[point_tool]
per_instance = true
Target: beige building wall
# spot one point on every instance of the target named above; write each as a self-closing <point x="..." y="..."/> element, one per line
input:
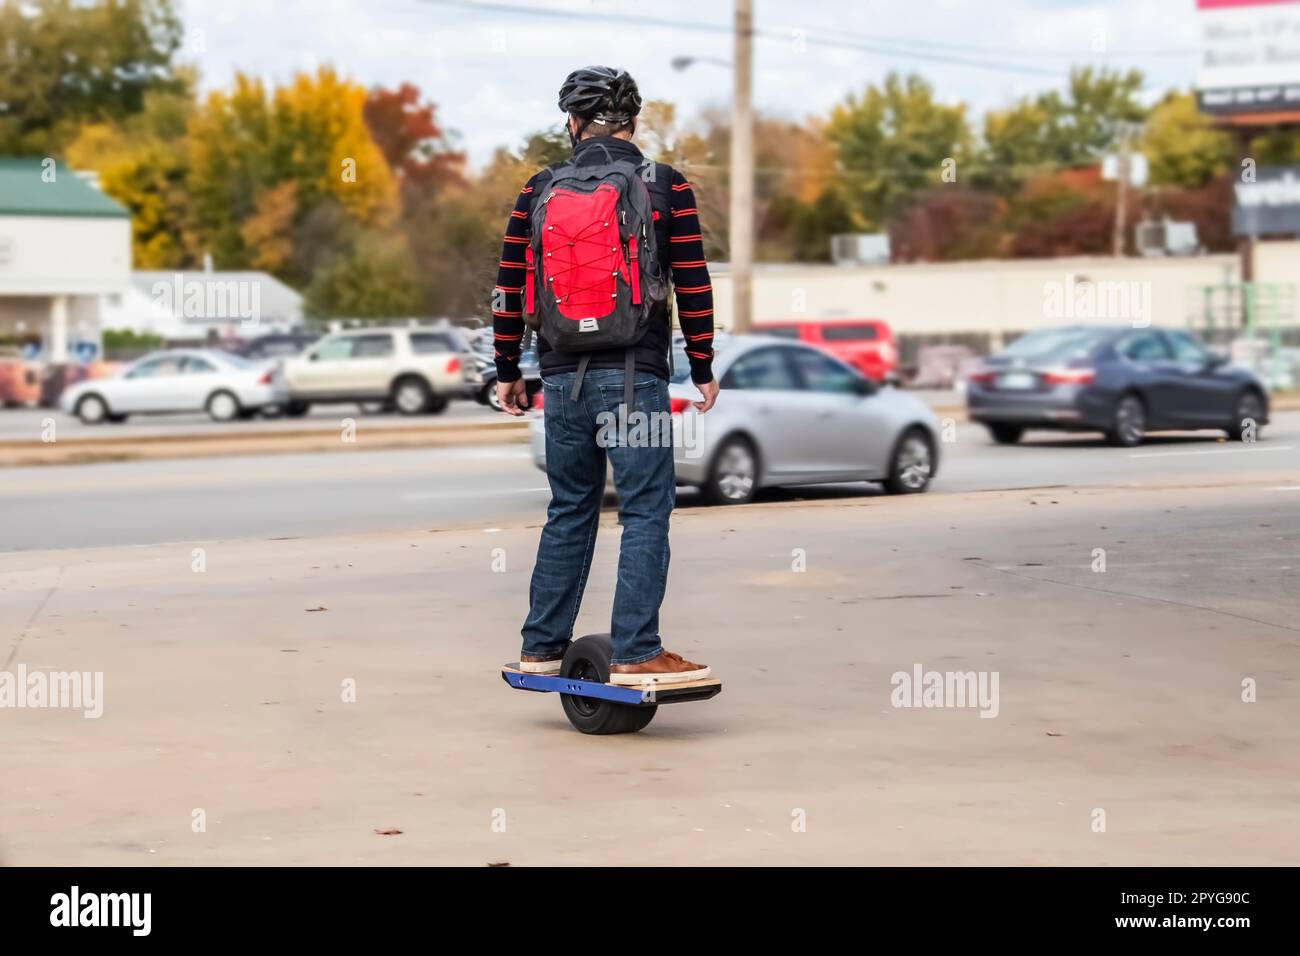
<point x="994" y="296"/>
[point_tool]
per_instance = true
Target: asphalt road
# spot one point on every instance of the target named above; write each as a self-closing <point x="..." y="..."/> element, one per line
<point x="494" y="486"/>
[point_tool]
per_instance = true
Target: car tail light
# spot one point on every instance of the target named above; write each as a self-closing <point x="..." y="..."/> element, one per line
<point x="265" y="379"/>
<point x="982" y="378"/>
<point x="1069" y="376"/>
<point x="453" y="365"/>
<point x="676" y="405"/>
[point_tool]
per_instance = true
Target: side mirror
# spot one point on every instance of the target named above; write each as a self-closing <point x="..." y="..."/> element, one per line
<point x="865" y="386"/>
<point x="312" y="356"/>
<point x="1214" y="360"/>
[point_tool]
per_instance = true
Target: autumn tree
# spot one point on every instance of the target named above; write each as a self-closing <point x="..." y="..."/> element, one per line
<point x="142" y="163"/>
<point x="69" y="63"/>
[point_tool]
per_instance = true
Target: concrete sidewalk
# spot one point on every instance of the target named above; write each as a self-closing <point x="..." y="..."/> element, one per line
<point x="1119" y="692"/>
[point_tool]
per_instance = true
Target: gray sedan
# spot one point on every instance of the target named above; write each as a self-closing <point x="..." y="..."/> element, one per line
<point x="789" y="414"/>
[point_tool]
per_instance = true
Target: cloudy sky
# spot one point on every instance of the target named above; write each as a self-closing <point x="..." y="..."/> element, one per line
<point x="493" y="71"/>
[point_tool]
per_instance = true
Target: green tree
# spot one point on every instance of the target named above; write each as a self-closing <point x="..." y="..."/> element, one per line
<point x="892" y="142"/>
<point x="373" y="278"/>
<point x="66" y="63"/>
<point x="1181" y="145"/>
<point x="1053" y="130"/>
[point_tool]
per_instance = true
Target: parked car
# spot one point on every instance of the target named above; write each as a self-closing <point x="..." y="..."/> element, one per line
<point x="789" y="414"/>
<point x="866" y="344"/>
<point x="1121" y="381"/>
<point x="415" y="369"/>
<point x="20" y="381"/>
<point x="175" y="380"/>
<point x="275" y="345"/>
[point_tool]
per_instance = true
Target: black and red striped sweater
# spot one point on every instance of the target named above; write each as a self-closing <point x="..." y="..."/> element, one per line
<point x="682" y="256"/>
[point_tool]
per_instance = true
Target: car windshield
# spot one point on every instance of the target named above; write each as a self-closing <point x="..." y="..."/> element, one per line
<point x="1054" y="345"/>
<point x="230" y="358"/>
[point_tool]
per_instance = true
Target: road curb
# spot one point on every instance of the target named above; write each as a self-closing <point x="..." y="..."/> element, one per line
<point x="76" y="451"/>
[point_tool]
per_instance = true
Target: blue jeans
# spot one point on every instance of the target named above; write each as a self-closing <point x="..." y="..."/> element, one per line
<point x="579" y="436"/>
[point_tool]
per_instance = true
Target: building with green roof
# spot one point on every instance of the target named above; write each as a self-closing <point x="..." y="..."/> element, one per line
<point x="65" y="254"/>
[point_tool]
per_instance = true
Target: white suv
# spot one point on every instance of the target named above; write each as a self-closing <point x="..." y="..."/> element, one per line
<point x="414" y="369"/>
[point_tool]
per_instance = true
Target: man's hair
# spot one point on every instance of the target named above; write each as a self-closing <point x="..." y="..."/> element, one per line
<point x="595" y="129"/>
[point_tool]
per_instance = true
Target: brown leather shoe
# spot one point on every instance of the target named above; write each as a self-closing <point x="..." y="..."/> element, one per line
<point x="540" y="665"/>
<point x="665" y="668"/>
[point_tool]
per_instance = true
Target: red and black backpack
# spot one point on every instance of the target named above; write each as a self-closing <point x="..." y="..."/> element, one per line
<point x="594" y="279"/>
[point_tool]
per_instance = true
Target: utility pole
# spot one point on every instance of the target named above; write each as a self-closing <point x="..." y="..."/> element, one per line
<point x="1121" y="199"/>
<point x="742" y="171"/>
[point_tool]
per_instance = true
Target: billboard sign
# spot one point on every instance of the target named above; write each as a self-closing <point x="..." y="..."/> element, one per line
<point x="1270" y="205"/>
<point x="1250" y="56"/>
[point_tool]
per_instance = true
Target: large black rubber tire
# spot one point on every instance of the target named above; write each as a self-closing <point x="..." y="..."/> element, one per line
<point x="411" y="395"/>
<point x="588" y="659"/>
<point x="911" y="463"/>
<point x="735" y="462"/>
<point x="223" y="406"/>
<point x="1249" y="404"/>
<point x="1129" y="427"/>
<point x="92" y="409"/>
<point x="1005" y="434"/>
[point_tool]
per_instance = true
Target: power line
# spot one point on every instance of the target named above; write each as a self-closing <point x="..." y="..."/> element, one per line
<point x="822" y="40"/>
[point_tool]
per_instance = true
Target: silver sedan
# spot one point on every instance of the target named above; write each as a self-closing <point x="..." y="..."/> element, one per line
<point x="789" y="414"/>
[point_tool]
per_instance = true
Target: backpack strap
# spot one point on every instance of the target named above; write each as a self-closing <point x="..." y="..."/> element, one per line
<point x="577" y="379"/>
<point x="629" y="373"/>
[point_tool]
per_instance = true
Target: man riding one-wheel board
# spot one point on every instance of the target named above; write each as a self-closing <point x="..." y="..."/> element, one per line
<point x="591" y="250"/>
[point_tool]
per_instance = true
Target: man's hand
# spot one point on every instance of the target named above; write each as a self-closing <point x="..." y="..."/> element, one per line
<point x="513" y="396"/>
<point x="710" y="392"/>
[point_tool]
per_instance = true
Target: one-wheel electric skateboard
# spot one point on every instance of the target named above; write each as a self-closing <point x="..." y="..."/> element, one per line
<point x="595" y="706"/>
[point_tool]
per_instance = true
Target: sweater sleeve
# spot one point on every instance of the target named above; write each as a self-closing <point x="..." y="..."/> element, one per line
<point x="691" y="280"/>
<point x="507" y="296"/>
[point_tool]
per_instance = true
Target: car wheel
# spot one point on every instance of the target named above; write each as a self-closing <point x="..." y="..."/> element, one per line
<point x="733" y="478"/>
<point x="1249" y="407"/>
<point x="1006" y="434"/>
<point x="1130" y="422"/>
<point x="223" y="407"/>
<point x="912" y="465"/>
<point x="493" y="399"/>
<point x="92" y="410"/>
<point x="484" y="395"/>
<point x="411" y="396"/>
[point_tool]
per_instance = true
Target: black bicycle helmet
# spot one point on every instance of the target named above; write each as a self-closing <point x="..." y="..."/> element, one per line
<point x="602" y="94"/>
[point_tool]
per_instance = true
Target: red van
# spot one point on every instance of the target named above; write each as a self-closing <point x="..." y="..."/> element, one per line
<point x="866" y="344"/>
